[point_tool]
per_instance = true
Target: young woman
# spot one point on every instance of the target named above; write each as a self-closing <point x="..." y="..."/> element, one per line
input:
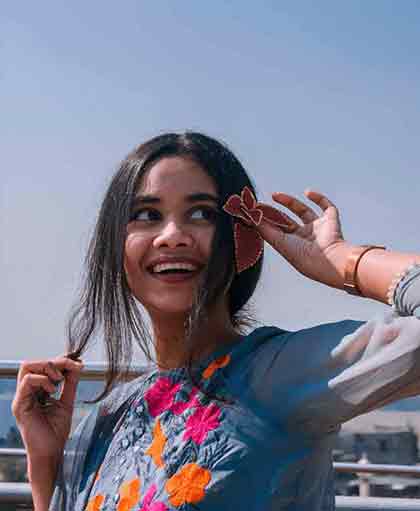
<point x="222" y="419"/>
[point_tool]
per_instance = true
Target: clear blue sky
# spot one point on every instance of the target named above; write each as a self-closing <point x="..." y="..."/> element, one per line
<point x="320" y="94"/>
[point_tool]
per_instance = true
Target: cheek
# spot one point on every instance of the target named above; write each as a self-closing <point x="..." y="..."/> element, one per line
<point x="134" y="250"/>
<point x="204" y="240"/>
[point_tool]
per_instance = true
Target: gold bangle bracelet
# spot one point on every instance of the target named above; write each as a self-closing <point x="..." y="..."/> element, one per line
<point x="350" y="271"/>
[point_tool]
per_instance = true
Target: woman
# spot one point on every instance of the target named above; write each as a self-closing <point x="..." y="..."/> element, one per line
<point x="221" y="419"/>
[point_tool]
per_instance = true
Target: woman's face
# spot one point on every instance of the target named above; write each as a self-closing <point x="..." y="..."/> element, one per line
<point x="170" y="233"/>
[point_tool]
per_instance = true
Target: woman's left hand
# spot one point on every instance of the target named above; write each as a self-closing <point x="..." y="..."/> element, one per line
<point x="309" y="246"/>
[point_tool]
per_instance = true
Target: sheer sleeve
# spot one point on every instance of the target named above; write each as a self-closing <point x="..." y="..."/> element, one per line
<point x="319" y="377"/>
<point x="71" y="468"/>
<point x="407" y="293"/>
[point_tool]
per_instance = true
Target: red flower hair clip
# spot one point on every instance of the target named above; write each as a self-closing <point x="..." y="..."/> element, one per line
<point x="249" y="245"/>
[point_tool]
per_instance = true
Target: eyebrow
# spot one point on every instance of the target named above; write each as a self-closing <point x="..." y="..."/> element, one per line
<point x="194" y="197"/>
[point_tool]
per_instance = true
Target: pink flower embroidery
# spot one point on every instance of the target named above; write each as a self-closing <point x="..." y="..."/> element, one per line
<point x="161" y="396"/>
<point x="180" y="406"/>
<point x="147" y="501"/>
<point x="203" y="420"/>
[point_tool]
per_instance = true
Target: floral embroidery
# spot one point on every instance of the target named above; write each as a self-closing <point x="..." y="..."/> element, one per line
<point x="216" y="364"/>
<point x="95" y="503"/>
<point x="180" y="406"/>
<point x="98" y="474"/>
<point x="129" y="495"/>
<point x="147" y="502"/>
<point x="161" y="396"/>
<point x="187" y="485"/>
<point x="203" y="420"/>
<point x="158" y="444"/>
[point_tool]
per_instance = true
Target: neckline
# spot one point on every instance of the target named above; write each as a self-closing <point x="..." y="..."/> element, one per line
<point x="203" y="363"/>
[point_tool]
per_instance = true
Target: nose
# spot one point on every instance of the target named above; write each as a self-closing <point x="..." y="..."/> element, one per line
<point x="173" y="235"/>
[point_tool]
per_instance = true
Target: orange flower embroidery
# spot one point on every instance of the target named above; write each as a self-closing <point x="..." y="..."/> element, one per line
<point x="98" y="473"/>
<point x="158" y="444"/>
<point x="95" y="503"/>
<point x="129" y="495"/>
<point x="216" y="364"/>
<point x="187" y="485"/>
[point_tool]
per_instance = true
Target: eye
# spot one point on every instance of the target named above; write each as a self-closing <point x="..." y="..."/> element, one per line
<point x="204" y="213"/>
<point x="146" y="215"/>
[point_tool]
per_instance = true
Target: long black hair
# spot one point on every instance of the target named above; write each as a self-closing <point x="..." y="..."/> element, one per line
<point x="107" y="306"/>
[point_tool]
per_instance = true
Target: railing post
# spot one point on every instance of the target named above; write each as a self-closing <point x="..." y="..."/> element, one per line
<point x="364" y="486"/>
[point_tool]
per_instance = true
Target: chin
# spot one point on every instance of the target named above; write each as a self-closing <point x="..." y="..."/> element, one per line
<point x="169" y="307"/>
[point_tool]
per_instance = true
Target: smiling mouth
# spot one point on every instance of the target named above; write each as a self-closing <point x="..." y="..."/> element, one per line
<point x="174" y="271"/>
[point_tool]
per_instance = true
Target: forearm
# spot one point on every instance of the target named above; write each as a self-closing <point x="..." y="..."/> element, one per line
<point x="375" y="271"/>
<point x="42" y="475"/>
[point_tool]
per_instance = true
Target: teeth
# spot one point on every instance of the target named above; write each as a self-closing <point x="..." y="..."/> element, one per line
<point x="173" y="266"/>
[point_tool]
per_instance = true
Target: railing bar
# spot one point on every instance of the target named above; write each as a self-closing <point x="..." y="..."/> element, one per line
<point x="338" y="466"/>
<point x="379" y="503"/>
<point x="413" y="470"/>
<point x="91" y="370"/>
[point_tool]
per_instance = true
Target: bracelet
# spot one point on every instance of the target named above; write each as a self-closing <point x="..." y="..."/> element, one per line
<point x="350" y="270"/>
<point x="395" y="282"/>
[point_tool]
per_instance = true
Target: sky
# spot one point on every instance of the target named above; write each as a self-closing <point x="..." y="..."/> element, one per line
<point x="307" y="94"/>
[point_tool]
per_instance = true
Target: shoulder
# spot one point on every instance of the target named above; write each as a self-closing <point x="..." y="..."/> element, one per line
<point x="272" y="339"/>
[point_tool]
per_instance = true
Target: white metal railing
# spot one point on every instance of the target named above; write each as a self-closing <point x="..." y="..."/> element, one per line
<point x="353" y="468"/>
<point x="91" y="370"/>
<point x="19" y="494"/>
<point x="378" y="503"/>
<point x="374" y="468"/>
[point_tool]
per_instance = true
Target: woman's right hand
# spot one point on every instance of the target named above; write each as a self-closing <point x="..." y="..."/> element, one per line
<point x="45" y="427"/>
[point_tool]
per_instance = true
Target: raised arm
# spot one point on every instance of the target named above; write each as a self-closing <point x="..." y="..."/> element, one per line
<point x="316" y="248"/>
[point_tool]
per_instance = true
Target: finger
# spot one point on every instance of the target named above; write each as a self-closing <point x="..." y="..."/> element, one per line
<point x="304" y="212"/>
<point x="71" y="380"/>
<point x="54" y="368"/>
<point x="34" y="388"/>
<point x="53" y="373"/>
<point x="272" y="234"/>
<point x="31" y="383"/>
<point x="278" y="218"/>
<point x="321" y="200"/>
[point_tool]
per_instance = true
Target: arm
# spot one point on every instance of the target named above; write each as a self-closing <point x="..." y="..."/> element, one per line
<point x="42" y="475"/>
<point x="376" y="269"/>
<point x="316" y="248"/>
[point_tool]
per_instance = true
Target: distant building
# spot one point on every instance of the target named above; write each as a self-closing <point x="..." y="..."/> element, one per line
<point x="382" y="437"/>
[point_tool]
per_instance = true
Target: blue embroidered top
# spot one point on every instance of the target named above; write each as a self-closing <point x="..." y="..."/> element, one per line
<point x="160" y="443"/>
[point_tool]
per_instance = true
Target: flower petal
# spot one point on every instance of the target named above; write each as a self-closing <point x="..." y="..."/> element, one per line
<point x="248" y="198"/>
<point x="157" y="446"/>
<point x="255" y="215"/>
<point x="187" y="485"/>
<point x="248" y="246"/>
<point x="95" y="503"/>
<point x="215" y="365"/>
<point x="129" y="495"/>
<point x="273" y="215"/>
<point x="233" y="205"/>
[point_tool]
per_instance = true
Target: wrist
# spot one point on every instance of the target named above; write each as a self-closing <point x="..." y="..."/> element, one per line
<point x="338" y="256"/>
<point x="42" y="474"/>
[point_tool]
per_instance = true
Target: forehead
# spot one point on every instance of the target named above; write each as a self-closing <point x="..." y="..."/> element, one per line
<point x="176" y="174"/>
